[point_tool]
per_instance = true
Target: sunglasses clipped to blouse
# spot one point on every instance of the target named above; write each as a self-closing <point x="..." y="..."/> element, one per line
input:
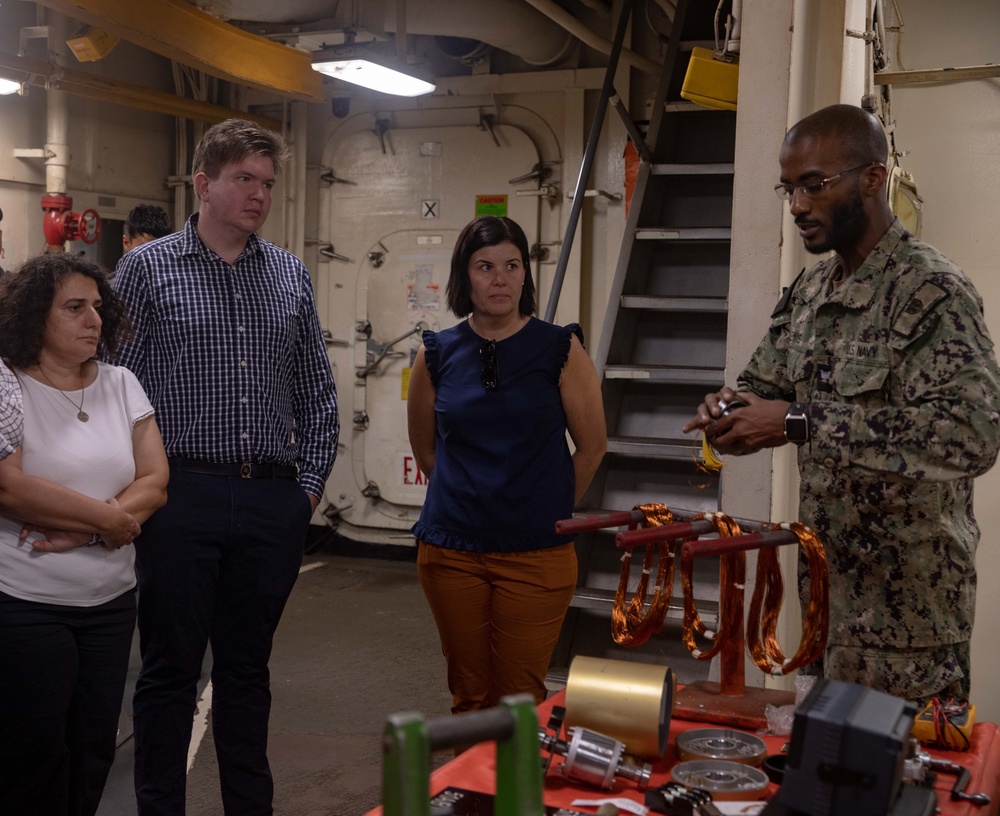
<point x="490" y="377"/>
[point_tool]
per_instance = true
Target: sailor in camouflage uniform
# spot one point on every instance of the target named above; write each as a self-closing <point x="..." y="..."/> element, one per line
<point x="879" y="365"/>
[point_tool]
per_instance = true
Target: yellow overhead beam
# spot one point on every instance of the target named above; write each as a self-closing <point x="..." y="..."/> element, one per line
<point x="185" y="34"/>
<point x="81" y="83"/>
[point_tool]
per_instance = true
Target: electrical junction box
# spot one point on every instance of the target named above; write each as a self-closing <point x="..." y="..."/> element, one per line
<point x="92" y="45"/>
<point x="710" y="81"/>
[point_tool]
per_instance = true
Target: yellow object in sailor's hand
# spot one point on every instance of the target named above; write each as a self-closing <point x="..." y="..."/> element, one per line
<point x="709" y="461"/>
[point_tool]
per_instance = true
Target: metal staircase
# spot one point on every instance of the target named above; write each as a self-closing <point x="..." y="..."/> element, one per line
<point x="662" y="347"/>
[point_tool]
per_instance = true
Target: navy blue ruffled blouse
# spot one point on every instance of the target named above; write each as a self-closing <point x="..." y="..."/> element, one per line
<point x="503" y="474"/>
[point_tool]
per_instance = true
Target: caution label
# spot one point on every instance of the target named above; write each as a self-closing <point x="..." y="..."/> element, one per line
<point x="491" y="205"/>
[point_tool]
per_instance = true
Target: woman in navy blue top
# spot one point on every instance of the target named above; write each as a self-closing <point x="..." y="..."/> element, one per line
<point x="489" y="405"/>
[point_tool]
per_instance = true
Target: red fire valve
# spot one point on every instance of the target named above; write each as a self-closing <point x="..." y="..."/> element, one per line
<point x="62" y="224"/>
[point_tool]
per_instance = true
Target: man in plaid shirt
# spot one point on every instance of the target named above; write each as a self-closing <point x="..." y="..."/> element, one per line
<point x="229" y="348"/>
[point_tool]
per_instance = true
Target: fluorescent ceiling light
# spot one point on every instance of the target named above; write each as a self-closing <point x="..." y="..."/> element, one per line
<point x="8" y="86"/>
<point x="369" y="73"/>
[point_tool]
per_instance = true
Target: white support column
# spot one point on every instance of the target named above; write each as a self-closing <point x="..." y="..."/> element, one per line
<point x="755" y="262"/>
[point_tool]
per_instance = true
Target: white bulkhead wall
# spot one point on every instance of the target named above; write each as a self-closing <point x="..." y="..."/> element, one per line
<point x="951" y="133"/>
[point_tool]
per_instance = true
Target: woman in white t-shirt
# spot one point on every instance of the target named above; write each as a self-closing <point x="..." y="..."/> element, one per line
<point x="89" y="470"/>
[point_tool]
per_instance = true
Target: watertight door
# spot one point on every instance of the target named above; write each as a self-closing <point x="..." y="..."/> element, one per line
<point x="397" y="202"/>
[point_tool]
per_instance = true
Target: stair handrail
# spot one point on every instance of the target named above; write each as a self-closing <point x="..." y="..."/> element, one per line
<point x="607" y="91"/>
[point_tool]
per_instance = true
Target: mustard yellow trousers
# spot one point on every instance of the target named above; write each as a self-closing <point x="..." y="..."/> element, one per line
<point x="498" y="616"/>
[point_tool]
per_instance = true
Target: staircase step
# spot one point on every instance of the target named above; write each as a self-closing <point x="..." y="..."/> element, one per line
<point x="678" y="449"/>
<point x="681" y="375"/>
<point x="656" y="303"/>
<point x="604" y="599"/>
<point x="684" y="234"/>
<point x="693" y="169"/>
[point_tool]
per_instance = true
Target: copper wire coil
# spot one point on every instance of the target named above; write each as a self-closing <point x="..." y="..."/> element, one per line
<point x="765" y="605"/>
<point x="732" y="577"/>
<point x="631" y="623"/>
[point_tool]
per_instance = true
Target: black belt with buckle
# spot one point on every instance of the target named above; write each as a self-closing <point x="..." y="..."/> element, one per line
<point x="243" y="470"/>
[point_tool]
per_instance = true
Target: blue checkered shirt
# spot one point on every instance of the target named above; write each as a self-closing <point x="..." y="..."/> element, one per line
<point x="232" y="357"/>
<point x="11" y="415"/>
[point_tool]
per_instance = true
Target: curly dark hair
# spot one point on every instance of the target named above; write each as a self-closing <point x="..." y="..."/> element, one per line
<point x="26" y="298"/>
<point x="487" y="230"/>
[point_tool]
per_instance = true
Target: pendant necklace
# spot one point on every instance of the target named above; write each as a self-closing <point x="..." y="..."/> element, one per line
<point x="81" y="415"/>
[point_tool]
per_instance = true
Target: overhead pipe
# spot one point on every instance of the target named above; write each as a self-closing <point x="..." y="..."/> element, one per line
<point x="60" y="223"/>
<point x="509" y="25"/>
<point x="296" y="240"/>
<point x="603" y="6"/>
<point x="736" y="17"/>
<point x="401" y="30"/>
<point x="567" y="21"/>
<point x="523" y="32"/>
<point x="669" y="7"/>
<point x="56" y="117"/>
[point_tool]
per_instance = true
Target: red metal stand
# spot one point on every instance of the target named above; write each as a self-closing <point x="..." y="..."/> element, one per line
<point x="728" y="702"/>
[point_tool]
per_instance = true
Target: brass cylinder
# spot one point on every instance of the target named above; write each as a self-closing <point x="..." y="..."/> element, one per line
<point x="631" y="702"/>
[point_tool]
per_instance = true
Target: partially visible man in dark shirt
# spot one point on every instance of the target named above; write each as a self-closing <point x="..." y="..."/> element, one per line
<point x="144" y="223"/>
<point x="229" y="348"/>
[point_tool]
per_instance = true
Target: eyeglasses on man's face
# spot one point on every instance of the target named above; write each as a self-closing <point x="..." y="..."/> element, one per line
<point x="816" y="188"/>
<point x="490" y="377"/>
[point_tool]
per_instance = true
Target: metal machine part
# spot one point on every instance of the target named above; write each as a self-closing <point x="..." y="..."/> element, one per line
<point x="721" y="743"/>
<point x="919" y="767"/>
<point x="725" y="780"/>
<point x="727" y="407"/>
<point x="958" y="793"/>
<point x="628" y="701"/>
<point x="589" y="757"/>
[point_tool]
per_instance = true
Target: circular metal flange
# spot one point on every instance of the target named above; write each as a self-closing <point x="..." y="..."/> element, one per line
<point x="721" y="743"/>
<point x="724" y="779"/>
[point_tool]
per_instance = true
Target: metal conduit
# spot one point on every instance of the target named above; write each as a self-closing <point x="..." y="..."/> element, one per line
<point x="563" y="18"/>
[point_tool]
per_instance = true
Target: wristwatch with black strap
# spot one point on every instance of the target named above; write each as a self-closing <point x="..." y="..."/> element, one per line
<point x="797" y="423"/>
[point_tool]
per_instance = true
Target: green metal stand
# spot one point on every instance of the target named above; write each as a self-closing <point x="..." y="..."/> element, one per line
<point x="409" y="741"/>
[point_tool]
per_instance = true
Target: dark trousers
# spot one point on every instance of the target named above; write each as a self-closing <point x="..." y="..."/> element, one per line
<point x="62" y="677"/>
<point x="216" y="564"/>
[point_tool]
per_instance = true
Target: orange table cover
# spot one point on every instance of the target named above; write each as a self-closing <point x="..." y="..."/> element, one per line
<point x="475" y="770"/>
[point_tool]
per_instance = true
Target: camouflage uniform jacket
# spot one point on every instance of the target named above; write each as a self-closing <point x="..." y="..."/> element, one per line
<point x="904" y="389"/>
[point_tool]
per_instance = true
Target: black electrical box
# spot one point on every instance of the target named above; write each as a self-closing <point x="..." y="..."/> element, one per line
<point x="847" y="751"/>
